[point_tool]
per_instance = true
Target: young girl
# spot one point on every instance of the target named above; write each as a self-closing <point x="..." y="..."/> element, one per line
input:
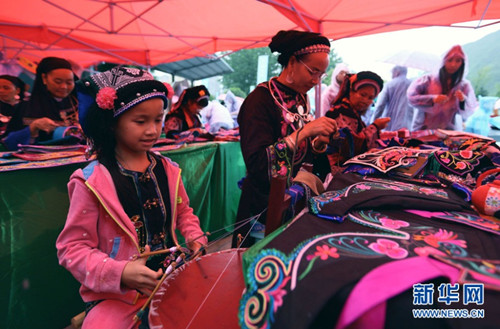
<point x="127" y="202"/>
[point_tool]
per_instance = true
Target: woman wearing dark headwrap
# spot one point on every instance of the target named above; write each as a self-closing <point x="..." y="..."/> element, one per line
<point x="52" y="103"/>
<point x="277" y="130"/>
<point x="11" y="94"/>
<point x="355" y="97"/>
<point x="185" y="113"/>
<point x="446" y="99"/>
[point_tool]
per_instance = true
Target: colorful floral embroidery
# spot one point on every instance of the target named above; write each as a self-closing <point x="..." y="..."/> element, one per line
<point x="461" y="162"/>
<point x="492" y="202"/>
<point x="324" y="252"/>
<point x="441" y="237"/>
<point x="427" y="251"/>
<point x="318" y="203"/>
<point x="387" y="159"/>
<point x="273" y="274"/>
<point x="395" y="224"/>
<point x="467" y="219"/>
<point x="279" y="158"/>
<point x="389" y="248"/>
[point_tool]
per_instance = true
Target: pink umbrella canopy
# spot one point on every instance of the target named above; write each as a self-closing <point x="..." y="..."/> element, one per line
<point x="150" y="32"/>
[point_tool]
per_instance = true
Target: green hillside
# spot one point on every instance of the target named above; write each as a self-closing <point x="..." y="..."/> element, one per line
<point x="484" y="64"/>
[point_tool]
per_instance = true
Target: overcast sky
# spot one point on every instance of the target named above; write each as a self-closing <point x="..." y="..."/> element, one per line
<point x="367" y="53"/>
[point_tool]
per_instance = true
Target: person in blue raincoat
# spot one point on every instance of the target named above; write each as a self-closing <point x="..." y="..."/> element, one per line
<point x="392" y="101"/>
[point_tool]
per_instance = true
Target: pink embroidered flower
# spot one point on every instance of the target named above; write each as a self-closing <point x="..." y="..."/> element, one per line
<point x="466" y="154"/>
<point x="389" y="248"/>
<point x="444" y="236"/>
<point x="283" y="171"/>
<point x="105" y="98"/>
<point x="387" y="222"/>
<point x="324" y="252"/>
<point x="363" y="186"/>
<point x="426" y="251"/>
<point x="170" y="90"/>
<point x="461" y="165"/>
<point x="445" y="160"/>
<point x="278" y="294"/>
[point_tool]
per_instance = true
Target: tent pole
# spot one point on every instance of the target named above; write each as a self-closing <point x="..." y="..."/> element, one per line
<point x="317" y="100"/>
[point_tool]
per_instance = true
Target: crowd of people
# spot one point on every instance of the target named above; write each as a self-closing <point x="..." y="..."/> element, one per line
<point x="51" y="111"/>
<point x="444" y="99"/>
<point x="129" y="201"/>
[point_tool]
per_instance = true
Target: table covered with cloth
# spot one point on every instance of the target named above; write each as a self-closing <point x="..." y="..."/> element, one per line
<point x="393" y="236"/>
<point x="38" y="293"/>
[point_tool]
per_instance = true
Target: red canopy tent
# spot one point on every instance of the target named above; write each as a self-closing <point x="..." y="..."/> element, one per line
<point x="150" y="32"/>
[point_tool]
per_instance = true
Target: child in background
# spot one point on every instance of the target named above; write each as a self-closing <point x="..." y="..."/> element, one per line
<point x="185" y="114"/>
<point x="127" y="202"/>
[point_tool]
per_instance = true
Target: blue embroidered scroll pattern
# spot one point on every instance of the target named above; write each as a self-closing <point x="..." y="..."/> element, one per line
<point x="267" y="276"/>
<point x="470" y="219"/>
<point x="317" y="203"/>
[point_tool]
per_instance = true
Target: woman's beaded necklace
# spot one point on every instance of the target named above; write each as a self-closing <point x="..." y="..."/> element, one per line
<point x="301" y="117"/>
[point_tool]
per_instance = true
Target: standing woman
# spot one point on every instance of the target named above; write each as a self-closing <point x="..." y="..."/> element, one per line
<point x="277" y="131"/>
<point x="52" y="103"/>
<point x="438" y="98"/>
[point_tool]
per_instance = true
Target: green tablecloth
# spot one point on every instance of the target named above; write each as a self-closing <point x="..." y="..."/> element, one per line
<point x="38" y="293"/>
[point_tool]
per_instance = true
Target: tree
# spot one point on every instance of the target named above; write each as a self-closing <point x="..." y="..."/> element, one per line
<point x="497" y="90"/>
<point x="244" y="64"/>
<point x="479" y="80"/>
<point x="334" y="60"/>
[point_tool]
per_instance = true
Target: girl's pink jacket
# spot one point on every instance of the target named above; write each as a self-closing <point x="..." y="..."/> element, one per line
<point x="98" y="238"/>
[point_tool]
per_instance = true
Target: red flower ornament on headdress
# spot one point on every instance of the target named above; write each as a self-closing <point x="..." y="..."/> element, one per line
<point x="170" y="90"/>
<point x="105" y="98"/>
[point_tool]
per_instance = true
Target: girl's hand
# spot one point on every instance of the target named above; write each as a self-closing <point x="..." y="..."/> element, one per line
<point x="440" y="99"/>
<point x="136" y="275"/>
<point x="194" y="246"/>
<point x="44" y="124"/>
<point x="381" y="123"/>
<point x="460" y="95"/>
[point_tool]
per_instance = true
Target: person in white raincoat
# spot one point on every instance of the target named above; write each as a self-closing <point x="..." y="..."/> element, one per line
<point x="330" y="93"/>
<point x="446" y="99"/>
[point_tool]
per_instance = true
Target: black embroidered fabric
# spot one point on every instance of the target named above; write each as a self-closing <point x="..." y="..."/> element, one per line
<point x="350" y="191"/>
<point x="146" y="200"/>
